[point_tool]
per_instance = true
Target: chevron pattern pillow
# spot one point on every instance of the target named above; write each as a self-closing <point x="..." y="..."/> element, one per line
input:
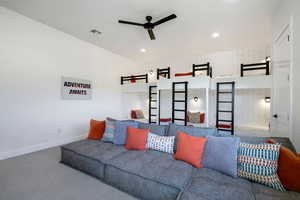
<point x="259" y="163"/>
<point x="161" y="143"/>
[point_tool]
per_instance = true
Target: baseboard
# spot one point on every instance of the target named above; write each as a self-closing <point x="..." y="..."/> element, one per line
<point x="38" y="147"/>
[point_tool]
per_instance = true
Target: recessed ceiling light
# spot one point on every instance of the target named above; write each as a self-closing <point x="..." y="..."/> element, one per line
<point x="143" y="50"/>
<point x="215" y="35"/>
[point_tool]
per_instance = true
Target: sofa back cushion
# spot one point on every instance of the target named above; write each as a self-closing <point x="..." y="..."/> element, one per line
<point x="190" y="149"/>
<point x="161" y="143"/>
<point x="137" y="138"/>
<point x="221" y="154"/>
<point x="120" y="136"/>
<point x="193" y="131"/>
<point x="154" y="128"/>
<point x="97" y="129"/>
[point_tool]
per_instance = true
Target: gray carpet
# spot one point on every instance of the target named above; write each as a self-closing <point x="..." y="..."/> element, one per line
<point x="40" y="176"/>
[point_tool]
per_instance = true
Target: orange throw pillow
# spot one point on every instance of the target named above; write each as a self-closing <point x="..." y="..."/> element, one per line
<point x="137" y="138"/>
<point x="288" y="168"/>
<point x="97" y="129"/>
<point x="190" y="149"/>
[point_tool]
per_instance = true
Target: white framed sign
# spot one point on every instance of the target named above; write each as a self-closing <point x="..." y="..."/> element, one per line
<point x="76" y="89"/>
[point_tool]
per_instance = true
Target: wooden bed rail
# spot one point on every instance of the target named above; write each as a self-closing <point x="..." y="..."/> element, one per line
<point x="255" y="66"/>
<point x="202" y="67"/>
<point x="165" y="72"/>
<point x="134" y="78"/>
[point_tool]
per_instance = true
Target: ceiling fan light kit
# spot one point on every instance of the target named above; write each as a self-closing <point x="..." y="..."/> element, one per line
<point x="149" y="26"/>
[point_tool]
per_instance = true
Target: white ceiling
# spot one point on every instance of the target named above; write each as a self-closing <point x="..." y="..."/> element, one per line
<point x="241" y="24"/>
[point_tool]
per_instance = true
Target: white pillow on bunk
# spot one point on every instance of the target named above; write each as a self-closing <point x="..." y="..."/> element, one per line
<point x="161" y="143"/>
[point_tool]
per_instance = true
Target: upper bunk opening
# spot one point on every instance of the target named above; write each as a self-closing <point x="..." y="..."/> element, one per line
<point x="198" y="70"/>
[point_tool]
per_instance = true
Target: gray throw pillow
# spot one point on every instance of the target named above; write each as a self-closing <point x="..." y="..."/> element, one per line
<point x="120" y="136"/>
<point x="221" y="154"/>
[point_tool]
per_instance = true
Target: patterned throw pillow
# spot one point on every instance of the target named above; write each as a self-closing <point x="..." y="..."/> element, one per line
<point x="259" y="163"/>
<point x="161" y="143"/>
<point x="194" y="117"/>
<point x="109" y="132"/>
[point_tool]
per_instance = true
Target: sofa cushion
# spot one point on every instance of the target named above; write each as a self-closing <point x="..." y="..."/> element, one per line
<point x="208" y="184"/>
<point x="262" y="192"/>
<point x="90" y="156"/>
<point x="156" y="171"/>
<point x="194" y="131"/>
<point x="120" y="136"/>
<point x="221" y="154"/>
<point x="154" y="128"/>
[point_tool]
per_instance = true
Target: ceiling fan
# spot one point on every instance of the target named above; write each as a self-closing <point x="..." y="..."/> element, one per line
<point x="150" y="26"/>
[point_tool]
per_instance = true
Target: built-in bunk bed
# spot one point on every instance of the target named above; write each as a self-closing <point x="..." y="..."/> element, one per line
<point x="242" y="103"/>
<point x="184" y="99"/>
<point x="141" y="97"/>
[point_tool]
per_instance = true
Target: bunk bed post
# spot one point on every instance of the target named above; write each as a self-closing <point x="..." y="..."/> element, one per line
<point x="232" y="105"/>
<point x="268" y="68"/>
<point x="173" y="102"/>
<point x="210" y="72"/>
<point x="207" y="108"/>
<point x="122" y="80"/>
<point x="158" y="93"/>
<point x="146" y="78"/>
<point x="242" y="70"/>
<point x="157" y="73"/>
<point x="169" y="71"/>
<point x="194" y="66"/>
<point x="207" y="69"/>
<point x="150" y="103"/>
<point x="186" y="100"/>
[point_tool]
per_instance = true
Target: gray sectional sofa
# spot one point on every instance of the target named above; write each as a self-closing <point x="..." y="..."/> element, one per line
<point x="153" y="175"/>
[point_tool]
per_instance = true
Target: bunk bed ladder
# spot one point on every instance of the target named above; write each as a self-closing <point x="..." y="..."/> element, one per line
<point x="230" y="90"/>
<point x="184" y="101"/>
<point x="152" y="92"/>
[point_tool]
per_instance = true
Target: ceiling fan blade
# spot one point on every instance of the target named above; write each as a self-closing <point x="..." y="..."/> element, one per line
<point x="131" y="23"/>
<point x="173" y="16"/>
<point x="151" y="34"/>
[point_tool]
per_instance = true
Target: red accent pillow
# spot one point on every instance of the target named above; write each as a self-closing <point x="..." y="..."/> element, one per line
<point x="97" y="129"/>
<point x="202" y="118"/>
<point x="190" y="149"/>
<point x="288" y="168"/>
<point x="137" y="138"/>
<point x="184" y="74"/>
<point x="133" y="114"/>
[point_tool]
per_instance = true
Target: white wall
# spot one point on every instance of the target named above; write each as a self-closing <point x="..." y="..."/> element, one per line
<point x="288" y="9"/>
<point x="33" y="57"/>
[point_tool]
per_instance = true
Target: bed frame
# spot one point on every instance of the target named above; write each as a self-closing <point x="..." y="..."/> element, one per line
<point x="255" y="66"/>
<point x="165" y="72"/>
<point x="136" y="77"/>
<point x="202" y="67"/>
